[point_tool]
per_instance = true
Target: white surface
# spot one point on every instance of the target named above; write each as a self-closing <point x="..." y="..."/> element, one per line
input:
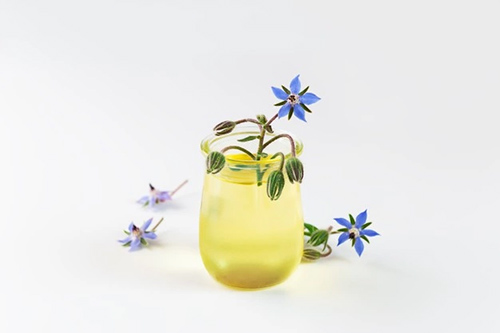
<point x="99" y="98"/>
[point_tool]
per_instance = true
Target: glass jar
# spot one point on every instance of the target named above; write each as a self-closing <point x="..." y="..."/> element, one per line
<point x="246" y="240"/>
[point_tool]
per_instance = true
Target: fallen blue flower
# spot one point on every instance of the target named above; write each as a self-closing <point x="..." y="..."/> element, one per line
<point x="137" y="236"/>
<point x="356" y="231"/>
<point x="156" y="196"/>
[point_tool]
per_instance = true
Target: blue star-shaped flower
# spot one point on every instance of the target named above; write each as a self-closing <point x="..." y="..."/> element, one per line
<point x="155" y="197"/>
<point x="136" y="236"/>
<point x="355" y="230"/>
<point x="294" y="100"/>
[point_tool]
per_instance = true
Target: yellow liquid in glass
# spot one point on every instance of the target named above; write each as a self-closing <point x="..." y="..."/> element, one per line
<point x="247" y="240"/>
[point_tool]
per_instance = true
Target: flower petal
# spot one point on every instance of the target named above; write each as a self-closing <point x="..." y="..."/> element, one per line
<point x="163" y="196"/>
<point x="295" y="85"/>
<point x="369" y="233"/>
<point x="299" y="112"/>
<point x="343" y="237"/>
<point x="146" y="224"/>
<point x="343" y="222"/>
<point x="361" y="219"/>
<point x="152" y="200"/>
<point x="150" y="235"/>
<point x="284" y="110"/>
<point x="279" y="93"/>
<point x="130" y="226"/>
<point x="136" y="244"/>
<point x="125" y="240"/>
<point x="359" y="246"/>
<point x="309" y="98"/>
<point x="143" y="200"/>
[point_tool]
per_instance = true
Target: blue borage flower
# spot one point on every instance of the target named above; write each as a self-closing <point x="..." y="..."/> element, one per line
<point x="137" y="236"/>
<point x="356" y="231"/>
<point x="294" y="100"/>
<point x="155" y="197"/>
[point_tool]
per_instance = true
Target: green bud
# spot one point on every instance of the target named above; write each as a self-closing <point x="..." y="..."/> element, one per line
<point x="275" y="184"/>
<point x="215" y="162"/>
<point x="311" y="254"/>
<point x="319" y="237"/>
<point x="262" y="119"/>
<point x="224" y="128"/>
<point x="294" y="170"/>
<point x="269" y="129"/>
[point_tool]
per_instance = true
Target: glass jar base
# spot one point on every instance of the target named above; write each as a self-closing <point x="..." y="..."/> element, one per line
<point x="249" y="277"/>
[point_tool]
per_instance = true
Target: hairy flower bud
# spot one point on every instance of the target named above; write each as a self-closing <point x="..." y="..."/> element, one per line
<point x="294" y="170"/>
<point x="311" y="254"/>
<point x="275" y="184"/>
<point x="319" y="237"/>
<point x="215" y="162"/>
<point x="262" y="119"/>
<point x="224" y="128"/>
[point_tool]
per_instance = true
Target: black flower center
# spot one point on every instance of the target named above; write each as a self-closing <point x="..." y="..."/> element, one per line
<point x="136" y="231"/>
<point x="293" y="99"/>
<point x="353" y="233"/>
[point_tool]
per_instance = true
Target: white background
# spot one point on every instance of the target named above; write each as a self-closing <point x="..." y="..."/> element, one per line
<point x="99" y="98"/>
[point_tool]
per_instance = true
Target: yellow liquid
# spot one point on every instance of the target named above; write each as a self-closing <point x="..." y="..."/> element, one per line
<point x="247" y="240"/>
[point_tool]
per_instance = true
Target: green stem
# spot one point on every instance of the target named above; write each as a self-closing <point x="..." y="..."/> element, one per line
<point x="292" y="142"/>
<point x="240" y="149"/>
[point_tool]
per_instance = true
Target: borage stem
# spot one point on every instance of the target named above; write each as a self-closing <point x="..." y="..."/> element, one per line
<point x="157" y="224"/>
<point x="327" y="253"/>
<point x="248" y="120"/>
<point x="240" y="149"/>
<point x="178" y="187"/>
<point x="282" y="162"/>
<point x="292" y="142"/>
<point x="272" y="119"/>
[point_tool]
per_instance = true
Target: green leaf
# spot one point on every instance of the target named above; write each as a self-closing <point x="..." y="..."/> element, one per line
<point x="305" y="108"/>
<point x="343" y="229"/>
<point x="310" y="229"/>
<point x="280" y="103"/>
<point x="127" y="243"/>
<point x="143" y="241"/>
<point x="365" y="238"/>
<point x="286" y="90"/>
<point x="262" y="155"/>
<point x="304" y="91"/>
<point x="249" y="138"/>
<point x="290" y="113"/>
<point x="353" y="241"/>
<point x="353" y="221"/>
<point x="366" y="225"/>
<point x="127" y="232"/>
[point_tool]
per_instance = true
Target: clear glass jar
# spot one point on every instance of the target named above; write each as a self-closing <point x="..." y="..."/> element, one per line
<point x="246" y="240"/>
